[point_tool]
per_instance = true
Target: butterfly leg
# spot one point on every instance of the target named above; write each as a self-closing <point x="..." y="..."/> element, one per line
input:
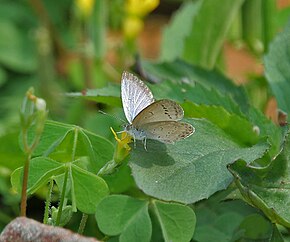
<point x="134" y="141"/>
<point x="145" y="143"/>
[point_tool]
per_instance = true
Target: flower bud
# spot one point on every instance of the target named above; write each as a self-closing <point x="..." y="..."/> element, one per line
<point x="40" y="104"/>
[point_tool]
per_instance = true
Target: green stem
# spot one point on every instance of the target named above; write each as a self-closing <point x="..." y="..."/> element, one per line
<point x="108" y="168"/>
<point x="60" y="207"/>
<point x="83" y="223"/>
<point x="47" y="202"/>
<point x="75" y="144"/>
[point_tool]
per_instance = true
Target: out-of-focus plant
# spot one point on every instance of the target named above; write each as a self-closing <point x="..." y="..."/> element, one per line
<point x="85" y="7"/>
<point x="135" y="11"/>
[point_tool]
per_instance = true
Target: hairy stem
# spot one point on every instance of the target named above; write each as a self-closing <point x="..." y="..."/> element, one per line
<point x="47" y="203"/>
<point x="83" y="223"/>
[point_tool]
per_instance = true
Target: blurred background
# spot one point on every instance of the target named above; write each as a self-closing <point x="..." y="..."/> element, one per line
<point x="68" y="46"/>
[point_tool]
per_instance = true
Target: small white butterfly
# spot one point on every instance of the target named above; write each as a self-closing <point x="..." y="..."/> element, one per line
<point x="149" y="119"/>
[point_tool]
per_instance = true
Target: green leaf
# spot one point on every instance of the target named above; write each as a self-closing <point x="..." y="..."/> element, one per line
<point x="255" y="226"/>
<point x="175" y="33"/>
<point x="3" y="76"/>
<point x="103" y="150"/>
<point x="41" y="170"/>
<point x="224" y="220"/>
<point x="191" y="169"/>
<point x="197" y="93"/>
<point x="177" y="221"/>
<point x="11" y="156"/>
<point x="277" y="68"/>
<point x="66" y="215"/>
<point x="52" y="135"/>
<point x="107" y="95"/>
<point x="276" y="235"/>
<point x="267" y="188"/>
<point x="209" y="31"/>
<point x="124" y="216"/>
<point x="228" y="122"/>
<point x="266" y="129"/>
<point x="120" y="181"/>
<point x="182" y="73"/>
<point x="87" y="189"/>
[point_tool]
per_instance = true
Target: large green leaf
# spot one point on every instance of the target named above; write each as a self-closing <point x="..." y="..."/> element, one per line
<point x="209" y="31"/>
<point x="175" y="33"/>
<point x="191" y="169"/>
<point x="177" y="221"/>
<point x="267" y="188"/>
<point x="243" y="135"/>
<point x="185" y="76"/>
<point x="277" y="68"/>
<point x="124" y="216"/>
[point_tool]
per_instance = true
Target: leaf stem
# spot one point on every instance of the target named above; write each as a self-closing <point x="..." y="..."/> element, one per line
<point x="60" y="207"/>
<point x="75" y="144"/>
<point x="47" y="202"/>
<point x="83" y="223"/>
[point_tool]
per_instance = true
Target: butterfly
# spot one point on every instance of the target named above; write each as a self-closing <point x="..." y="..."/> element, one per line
<point x="150" y="119"/>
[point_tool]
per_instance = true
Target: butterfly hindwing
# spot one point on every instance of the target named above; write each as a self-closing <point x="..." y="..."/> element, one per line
<point x="135" y="95"/>
<point x="168" y="131"/>
<point x="162" y="110"/>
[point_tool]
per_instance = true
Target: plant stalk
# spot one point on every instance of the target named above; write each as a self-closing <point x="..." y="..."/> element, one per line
<point x="24" y="186"/>
<point x="83" y="223"/>
<point x="47" y="203"/>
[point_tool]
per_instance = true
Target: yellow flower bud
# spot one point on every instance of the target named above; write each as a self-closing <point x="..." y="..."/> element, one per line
<point x="141" y="7"/>
<point x="85" y="6"/>
<point x="132" y="26"/>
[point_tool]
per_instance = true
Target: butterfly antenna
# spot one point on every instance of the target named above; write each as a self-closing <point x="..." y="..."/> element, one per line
<point x="112" y="116"/>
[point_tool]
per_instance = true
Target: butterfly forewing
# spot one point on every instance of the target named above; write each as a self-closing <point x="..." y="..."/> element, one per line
<point x="168" y="131"/>
<point x="163" y="110"/>
<point x="135" y="95"/>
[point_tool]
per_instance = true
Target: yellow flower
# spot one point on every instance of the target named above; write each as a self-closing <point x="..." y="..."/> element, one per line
<point x="85" y="6"/>
<point x="123" y="147"/>
<point x="140" y="7"/>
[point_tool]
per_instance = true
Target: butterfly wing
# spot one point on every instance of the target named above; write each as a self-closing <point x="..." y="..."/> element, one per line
<point x="135" y="95"/>
<point x="168" y="131"/>
<point x="162" y="110"/>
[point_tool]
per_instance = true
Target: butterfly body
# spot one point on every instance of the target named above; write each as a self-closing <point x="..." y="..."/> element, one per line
<point x="149" y="119"/>
<point x="138" y="134"/>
